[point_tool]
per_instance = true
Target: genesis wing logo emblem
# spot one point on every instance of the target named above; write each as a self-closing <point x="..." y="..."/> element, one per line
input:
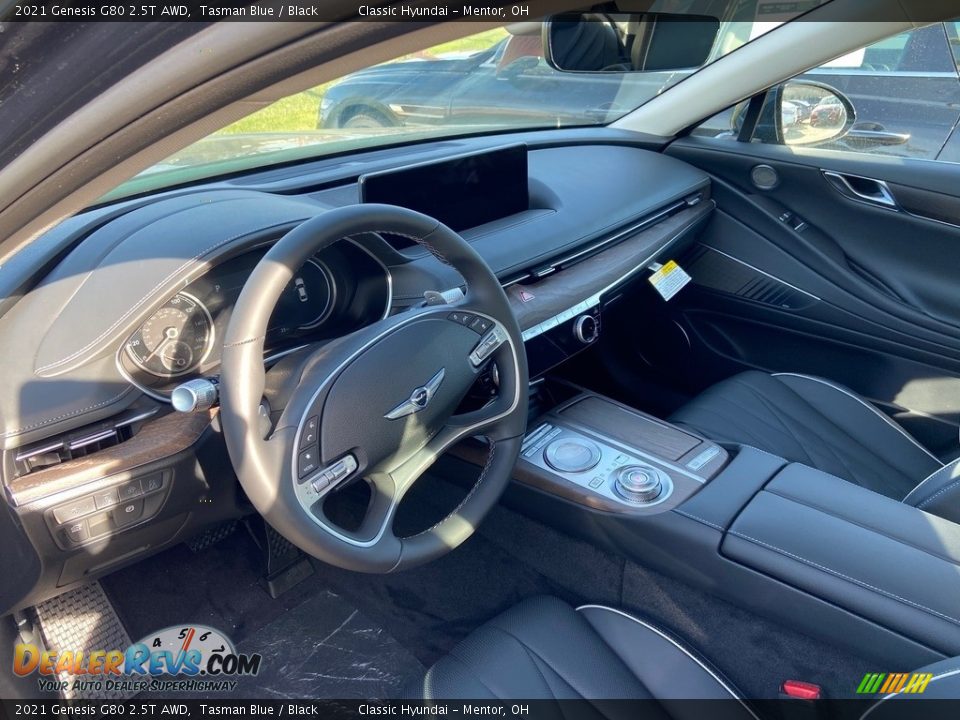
<point x="418" y="399"/>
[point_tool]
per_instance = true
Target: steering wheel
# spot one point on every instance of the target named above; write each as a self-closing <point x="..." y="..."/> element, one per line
<point x="379" y="404"/>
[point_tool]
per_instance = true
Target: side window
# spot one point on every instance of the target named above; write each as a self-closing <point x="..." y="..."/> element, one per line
<point x="953" y="37"/>
<point x="905" y="92"/>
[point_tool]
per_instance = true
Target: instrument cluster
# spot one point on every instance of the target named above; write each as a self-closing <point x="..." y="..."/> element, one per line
<point x="337" y="291"/>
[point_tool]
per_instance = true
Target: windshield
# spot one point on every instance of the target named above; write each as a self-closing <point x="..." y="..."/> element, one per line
<point x="492" y="81"/>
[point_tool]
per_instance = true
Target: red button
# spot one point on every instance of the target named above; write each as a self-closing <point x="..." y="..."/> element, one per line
<point x="800" y="690"/>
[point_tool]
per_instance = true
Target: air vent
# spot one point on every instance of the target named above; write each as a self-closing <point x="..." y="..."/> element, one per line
<point x="79" y="443"/>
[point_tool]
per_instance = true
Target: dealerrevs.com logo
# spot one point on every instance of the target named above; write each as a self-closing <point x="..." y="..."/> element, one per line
<point x="180" y="658"/>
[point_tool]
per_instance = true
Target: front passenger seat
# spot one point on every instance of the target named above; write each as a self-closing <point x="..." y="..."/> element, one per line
<point x="544" y="649"/>
<point x="813" y="421"/>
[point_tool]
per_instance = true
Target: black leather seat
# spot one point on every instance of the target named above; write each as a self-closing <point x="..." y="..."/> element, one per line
<point x="544" y="649"/>
<point x="813" y="421"/>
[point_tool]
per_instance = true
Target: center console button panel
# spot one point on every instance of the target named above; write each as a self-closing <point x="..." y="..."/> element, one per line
<point x="596" y="452"/>
<point x="596" y="467"/>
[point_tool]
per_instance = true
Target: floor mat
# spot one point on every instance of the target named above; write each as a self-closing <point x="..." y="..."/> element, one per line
<point x="344" y="655"/>
<point x="81" y="618"/>
<point x="427" y="610"/>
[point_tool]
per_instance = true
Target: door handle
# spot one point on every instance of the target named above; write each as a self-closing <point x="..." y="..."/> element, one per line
<point x="862" y="138"/>
<point x="864" y="189"/>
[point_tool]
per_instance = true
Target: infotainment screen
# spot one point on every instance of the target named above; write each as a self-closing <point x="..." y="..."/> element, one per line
<point x="461" y="192"/>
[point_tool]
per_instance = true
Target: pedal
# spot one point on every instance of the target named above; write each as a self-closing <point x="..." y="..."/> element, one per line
<point x="285" y="564"/>
<point x="82" y="620"/>
<point x="211" y="536"/>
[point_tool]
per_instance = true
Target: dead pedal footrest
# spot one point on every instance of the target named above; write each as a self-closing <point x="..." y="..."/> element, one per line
<point x="211" y="536"/>
<point x="82" y="619"/>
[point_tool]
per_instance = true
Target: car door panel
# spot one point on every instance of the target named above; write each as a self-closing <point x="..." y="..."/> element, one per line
<point x="817" y="280"/>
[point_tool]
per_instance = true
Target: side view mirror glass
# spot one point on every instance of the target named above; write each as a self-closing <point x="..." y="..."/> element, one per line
<point x="810" y="113"/>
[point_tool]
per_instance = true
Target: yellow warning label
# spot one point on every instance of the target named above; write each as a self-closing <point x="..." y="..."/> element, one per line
<point x="669" y="280"/>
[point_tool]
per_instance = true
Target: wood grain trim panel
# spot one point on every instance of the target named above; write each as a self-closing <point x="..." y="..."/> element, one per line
<point x="157" y="439"/>
<point x="631" y="428"/>
<point x="567" y="287"/>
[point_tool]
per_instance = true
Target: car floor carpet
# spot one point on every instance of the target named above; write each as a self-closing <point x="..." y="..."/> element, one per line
<point x="428" y="609"/>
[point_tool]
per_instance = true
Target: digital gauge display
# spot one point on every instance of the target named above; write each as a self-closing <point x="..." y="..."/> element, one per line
<point x="175" y="339"/>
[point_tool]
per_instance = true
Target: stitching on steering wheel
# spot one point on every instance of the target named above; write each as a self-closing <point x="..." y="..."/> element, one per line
<point x="483" y="474"/>
<point x="245" y="342"/>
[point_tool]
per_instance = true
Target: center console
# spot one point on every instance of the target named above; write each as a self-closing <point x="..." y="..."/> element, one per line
<point x="793" y="544"/>
<point x="604" y="455"/>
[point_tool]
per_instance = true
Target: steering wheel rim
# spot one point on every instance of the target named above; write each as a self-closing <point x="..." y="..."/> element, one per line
<point x="343" y="387"/>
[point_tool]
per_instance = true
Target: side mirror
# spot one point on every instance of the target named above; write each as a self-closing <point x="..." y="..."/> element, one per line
<point x="810" y="113"/>
<point x="628" y="42"/>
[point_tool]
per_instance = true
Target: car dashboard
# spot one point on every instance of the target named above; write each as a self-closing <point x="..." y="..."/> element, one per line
<point x="140" y="293"/>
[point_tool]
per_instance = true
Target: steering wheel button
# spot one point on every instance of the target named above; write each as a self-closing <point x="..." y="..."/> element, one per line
<point x="321" y="482"/>
<point x="307" y="462"/>
<point x="309" y="436"/>
<point x="480" y="325"/>
<point x="343" y="468"/>
<point x="490" y="342"/>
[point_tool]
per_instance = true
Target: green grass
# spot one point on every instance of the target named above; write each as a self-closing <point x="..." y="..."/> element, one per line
<point x="298" y="112"/>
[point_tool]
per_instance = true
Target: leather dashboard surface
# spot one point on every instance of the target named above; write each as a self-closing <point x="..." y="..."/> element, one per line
<point x="67" y="329"/>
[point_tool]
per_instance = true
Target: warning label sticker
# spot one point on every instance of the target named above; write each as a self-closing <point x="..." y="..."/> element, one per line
<point x="669" y="280"/>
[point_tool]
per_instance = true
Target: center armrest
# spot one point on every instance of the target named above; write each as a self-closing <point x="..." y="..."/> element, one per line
<point x="885" y="561"/>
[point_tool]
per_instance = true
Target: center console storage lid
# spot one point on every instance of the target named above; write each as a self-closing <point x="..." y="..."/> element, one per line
<point x="887" y="562"/>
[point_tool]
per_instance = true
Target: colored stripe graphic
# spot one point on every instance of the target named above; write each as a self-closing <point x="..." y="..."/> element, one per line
<point x="894" y="683"/>
<point x="918" y="683"/>
<point x="888" y="683"/>
<point x="870" y="683"/>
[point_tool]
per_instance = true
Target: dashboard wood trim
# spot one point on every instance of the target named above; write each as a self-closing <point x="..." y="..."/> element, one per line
<point x="535" y="302"/>
<point x="158" y="439"/>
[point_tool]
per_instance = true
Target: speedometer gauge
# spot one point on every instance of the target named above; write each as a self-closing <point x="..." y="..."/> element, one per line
<point x="175" y="339"/>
